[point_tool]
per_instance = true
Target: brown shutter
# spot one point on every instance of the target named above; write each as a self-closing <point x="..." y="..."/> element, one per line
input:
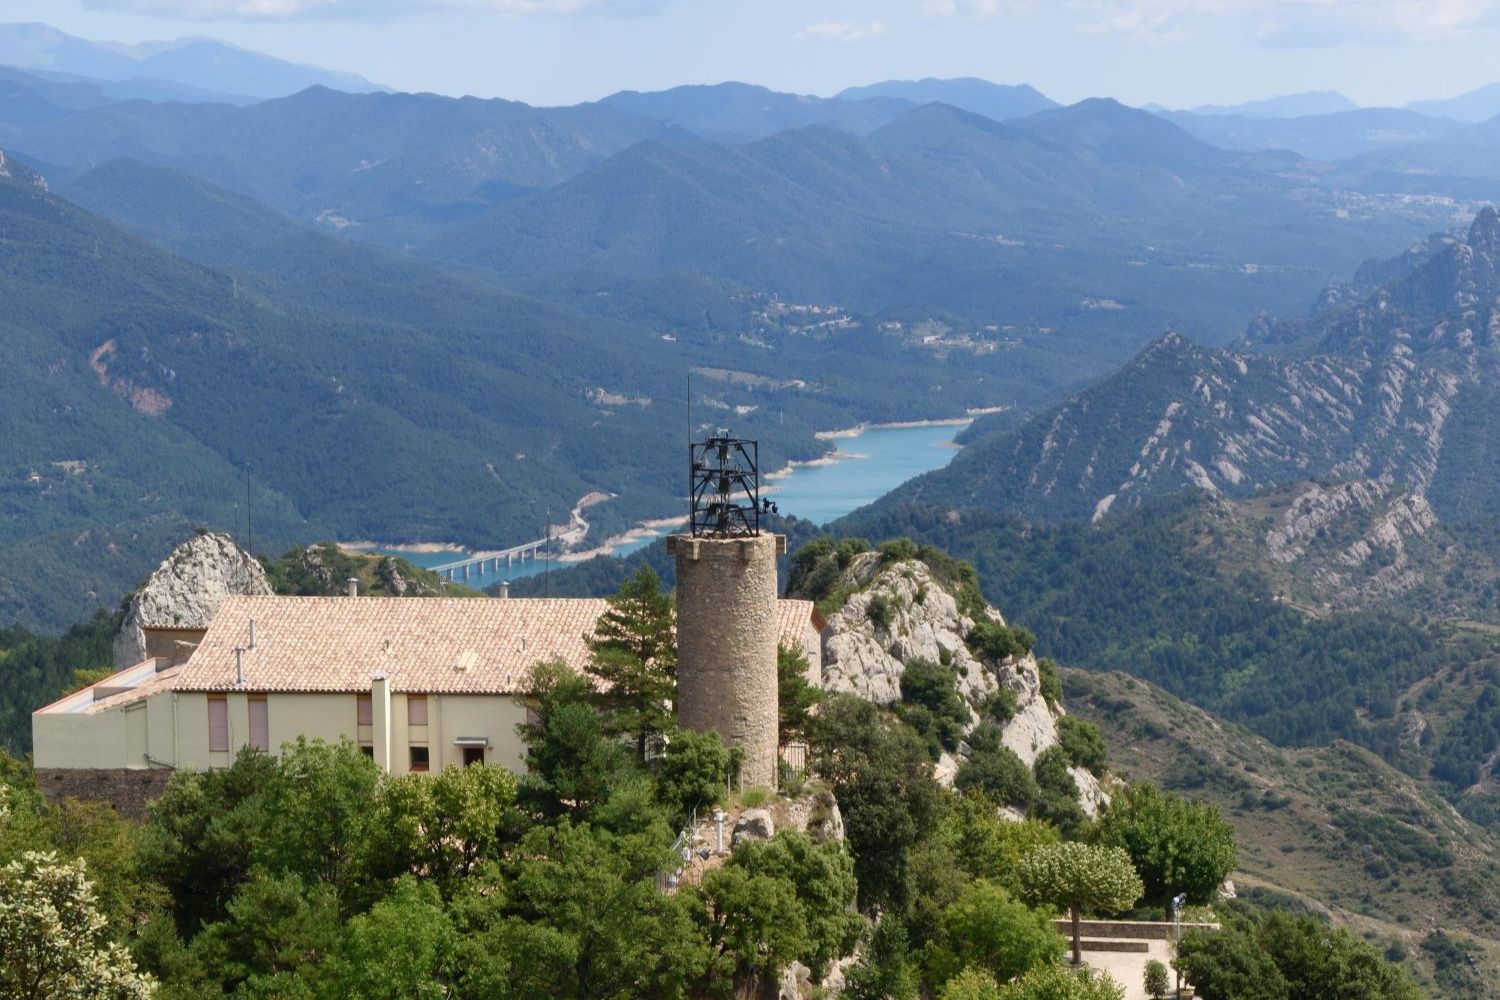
<point x="366" y="709"/>
<point x="218" y="723"/>
<point x="260" y="729"/>
<point x="416" y="710"/>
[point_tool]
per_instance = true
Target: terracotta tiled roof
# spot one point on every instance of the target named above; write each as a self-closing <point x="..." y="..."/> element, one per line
<point x="431" y="644"/>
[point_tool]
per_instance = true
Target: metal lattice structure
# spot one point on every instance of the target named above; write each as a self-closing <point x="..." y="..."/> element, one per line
<point x="724" y="477"/>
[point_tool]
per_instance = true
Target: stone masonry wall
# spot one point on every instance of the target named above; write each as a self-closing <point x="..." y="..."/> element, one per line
<point x="127" y="790"/>
<point x="726" y="645"/>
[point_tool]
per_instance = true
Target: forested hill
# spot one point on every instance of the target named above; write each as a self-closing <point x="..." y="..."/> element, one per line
<point x="1401" y="387"/>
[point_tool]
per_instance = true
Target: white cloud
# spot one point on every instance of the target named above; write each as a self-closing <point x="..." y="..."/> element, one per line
<point x="1273" y="22"/>
<point x="290" y="10"/>
<point x="843" y="31"/>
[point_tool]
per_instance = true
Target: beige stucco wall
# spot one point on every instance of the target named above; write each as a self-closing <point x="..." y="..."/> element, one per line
<point x="172" y="727"/>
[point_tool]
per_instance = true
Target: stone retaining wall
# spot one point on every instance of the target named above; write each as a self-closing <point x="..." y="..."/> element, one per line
<point x="127" y="790"/>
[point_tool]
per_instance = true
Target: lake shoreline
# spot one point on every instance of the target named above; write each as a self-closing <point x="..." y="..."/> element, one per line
<point x="646" y="531"/>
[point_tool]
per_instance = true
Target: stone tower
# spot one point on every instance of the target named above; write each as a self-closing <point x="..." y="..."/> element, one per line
<point x="726" y="644"/>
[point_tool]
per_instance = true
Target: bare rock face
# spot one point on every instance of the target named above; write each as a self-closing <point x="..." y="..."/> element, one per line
<point x="186" y="590"/>
<point x="915" y="618"/>
<point x="753" y="824"/>
<point x="815" y="813"/>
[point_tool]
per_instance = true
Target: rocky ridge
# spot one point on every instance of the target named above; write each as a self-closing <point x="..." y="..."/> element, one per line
<point x="1393" y="374"/>
<point x="866" y="659"/>
<point x="186" y="590"/>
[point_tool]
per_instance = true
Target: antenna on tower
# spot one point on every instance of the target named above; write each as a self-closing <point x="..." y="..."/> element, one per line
<point x="724" y="487"/>
<point x="249" y="534"/>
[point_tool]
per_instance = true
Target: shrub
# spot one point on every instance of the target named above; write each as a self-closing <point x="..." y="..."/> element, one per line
<point x="932" y="705"/>
<point x="993" y="641"/>
<point x="1082" y="743"/>
<point x="694" y="772"/>
<point x="1000" y="706"/>
<point x="1051" y="681"/>
<point x="881" y="611"/>
<point x="1057" y="792"/>
<point x="995" y="770"/>
<point x="1157" y="982"/>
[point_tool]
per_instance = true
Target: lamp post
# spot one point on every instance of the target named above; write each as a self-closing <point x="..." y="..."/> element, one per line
<point x="1177" y="902"/>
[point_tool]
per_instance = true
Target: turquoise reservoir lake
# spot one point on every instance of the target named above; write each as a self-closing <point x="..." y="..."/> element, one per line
<point x="865" y="467"/>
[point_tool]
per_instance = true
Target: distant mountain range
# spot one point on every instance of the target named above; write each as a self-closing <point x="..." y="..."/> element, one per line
<point x="993" y="100"/>
<point x="185" y="69"/>
<point x="1311" y="102"/>
<point x="1402" y="388"/>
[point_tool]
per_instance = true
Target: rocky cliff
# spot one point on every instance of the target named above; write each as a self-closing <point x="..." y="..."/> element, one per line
<point x="919" y="619"/>
<point x="186" y="590"/>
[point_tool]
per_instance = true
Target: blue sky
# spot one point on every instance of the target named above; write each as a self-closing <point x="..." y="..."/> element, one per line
<point x="1176" y="52"/>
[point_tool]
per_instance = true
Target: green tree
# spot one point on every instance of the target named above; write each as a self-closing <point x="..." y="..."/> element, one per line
<point x="971" y="984"/>
<point x="54" y="942"/>
<point x="571" y="762"/>
<point x="754" y="924"/>
<point x="987" y="846"/>
<point x="1059" y="982"/>
<point x="886" y="972"/>
<point x="931" y="704"/>
<point x="404" y="948"/>
<point x="882" y="778"/>
<point x="822" y="879"/>
<point x="1082" y="743"/>
<point x="1175" y="844"/>
<point x="694" y="772"/>
<point x="442" y="826"/>
<point x="795" y="695"/>
<point x="633" y="653"/>
<point x="581" y="917"/>
<point x="1230" y="965"/>
<point x="316" y="816"/>
<point x="1156" y="980"/>
<point x="990" y="930"/>
<point x="1285" y="955"/>
<point x="1057" y="792"/>
<point x="276" y="927"/>
<point x="1080" y="876"/>
<point x="994" y="769"/>
<point x="203" y="835"/>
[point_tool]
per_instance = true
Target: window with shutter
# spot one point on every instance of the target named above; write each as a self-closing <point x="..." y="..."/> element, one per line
<point x="366" y="709"/>
<point x="260" y="729"/>
<point x="416" y="710"/>
<point x="218" y="724"/>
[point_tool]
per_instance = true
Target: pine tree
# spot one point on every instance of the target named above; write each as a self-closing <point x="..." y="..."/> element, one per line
<point x="633" y="651"/>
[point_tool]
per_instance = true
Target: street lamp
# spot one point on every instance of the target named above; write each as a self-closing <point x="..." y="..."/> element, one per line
<point x="1177" y="902"/>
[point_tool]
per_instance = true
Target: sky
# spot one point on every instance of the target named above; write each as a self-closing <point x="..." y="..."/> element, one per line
<point x="1173" y="52"/>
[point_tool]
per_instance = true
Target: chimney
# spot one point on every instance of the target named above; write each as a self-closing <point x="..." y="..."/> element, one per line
<point x="504" y="591"/>
<point x="252" y="633"/>
<point x="239" y="667"/>
<point x="352" y="586"/>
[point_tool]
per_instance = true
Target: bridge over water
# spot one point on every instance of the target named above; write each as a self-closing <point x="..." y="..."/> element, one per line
<point x="460" y="569"/>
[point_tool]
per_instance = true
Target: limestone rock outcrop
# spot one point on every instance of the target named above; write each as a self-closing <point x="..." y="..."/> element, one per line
<point x="916" y="618"/>
<point x="753" y="824"/>
<point x="186" y="590"/>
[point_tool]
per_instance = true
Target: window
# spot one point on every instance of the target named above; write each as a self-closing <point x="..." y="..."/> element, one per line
<point x="260" y="729"/>
<point x="416" y="710"/>
<point x="473" y="755"/>
<point x="419" y="758"/>
<point x="218" y="723"/>
<point x="368" y="751"/>
<point x="365" y="708"/>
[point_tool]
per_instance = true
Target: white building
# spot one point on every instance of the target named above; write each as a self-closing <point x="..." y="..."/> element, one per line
<point x="419" y="683"/>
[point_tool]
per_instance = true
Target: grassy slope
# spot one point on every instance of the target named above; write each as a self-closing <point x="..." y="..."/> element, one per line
<point x="1333" y="828"/>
